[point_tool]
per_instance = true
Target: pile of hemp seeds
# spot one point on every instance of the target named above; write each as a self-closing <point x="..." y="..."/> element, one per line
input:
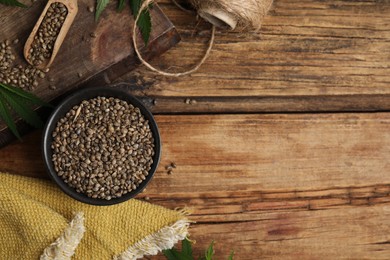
<point x="103" y="148"/>
<point x="27" y="76"/>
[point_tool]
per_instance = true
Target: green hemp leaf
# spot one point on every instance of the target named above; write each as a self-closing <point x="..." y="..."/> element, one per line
<point x="186" y="252"/>
<point x="144" y="21"/>
<point x="19" y="101"/>
<point x="210" y="252"/>
<point x="121" y="5"/>
<point x="100" y="6"/>
<point x="12" y="3"/>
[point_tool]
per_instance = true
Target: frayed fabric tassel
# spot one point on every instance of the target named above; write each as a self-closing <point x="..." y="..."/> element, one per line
<point x="163" y="239"/>
<point x="185" y="211"/>
<point x="65" y="246"/>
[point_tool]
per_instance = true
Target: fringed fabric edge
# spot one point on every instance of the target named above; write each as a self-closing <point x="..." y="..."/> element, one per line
<point x="163" y="239"/>
<point x="65" y="246"/>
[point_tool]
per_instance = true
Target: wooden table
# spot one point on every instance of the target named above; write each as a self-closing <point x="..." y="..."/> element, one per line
<point x="285" y="153"/>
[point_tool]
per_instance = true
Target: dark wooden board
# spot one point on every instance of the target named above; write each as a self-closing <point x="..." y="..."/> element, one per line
<point x="83" y="59"/>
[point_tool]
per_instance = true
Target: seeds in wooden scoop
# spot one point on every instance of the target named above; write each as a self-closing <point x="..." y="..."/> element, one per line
<point x="25" y="77"/>
<point x="103" y="148"/>
<point x="43" y="43"/>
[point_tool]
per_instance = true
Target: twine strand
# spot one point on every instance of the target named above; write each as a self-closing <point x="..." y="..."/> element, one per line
<point x="161" y="72"/>
<point x="247" y="14"/>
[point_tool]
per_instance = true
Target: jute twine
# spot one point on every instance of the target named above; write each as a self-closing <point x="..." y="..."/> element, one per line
<point x="247" y="14"/>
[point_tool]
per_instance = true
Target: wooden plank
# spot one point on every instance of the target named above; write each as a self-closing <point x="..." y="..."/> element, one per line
<point x="83" y="57"/>
<point x="312" y="186"/>
<point x="273" y="152"/>
<point x="255" y="104"/>
<point x="309" y="56"/>
<point x="346" y="233"/>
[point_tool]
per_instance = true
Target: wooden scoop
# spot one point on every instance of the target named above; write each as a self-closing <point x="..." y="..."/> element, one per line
<point x="71" y="5"/>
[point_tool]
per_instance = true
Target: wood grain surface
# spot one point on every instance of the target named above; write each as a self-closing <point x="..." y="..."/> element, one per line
<point x="313" y="186"/>
<point x="262" y="179"/>
<point x="310" y="55"/>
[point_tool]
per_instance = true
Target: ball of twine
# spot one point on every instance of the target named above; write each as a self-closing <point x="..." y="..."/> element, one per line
<point x="247" y="14"/>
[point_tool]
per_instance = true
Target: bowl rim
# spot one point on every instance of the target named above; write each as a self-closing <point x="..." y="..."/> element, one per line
<point x="64" y="107"/>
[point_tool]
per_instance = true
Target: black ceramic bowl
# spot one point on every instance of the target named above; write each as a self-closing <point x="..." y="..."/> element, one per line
<point x="67" y="105"/>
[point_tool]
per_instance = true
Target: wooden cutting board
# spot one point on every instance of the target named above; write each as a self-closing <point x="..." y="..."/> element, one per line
<point x="93" y="53"/>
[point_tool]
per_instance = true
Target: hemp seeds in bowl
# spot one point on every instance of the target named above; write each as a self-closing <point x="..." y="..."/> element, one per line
<point x="101" y="146"/>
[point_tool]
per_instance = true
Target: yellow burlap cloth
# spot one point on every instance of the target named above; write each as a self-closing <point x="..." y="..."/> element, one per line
<point x="37" y="220"/>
